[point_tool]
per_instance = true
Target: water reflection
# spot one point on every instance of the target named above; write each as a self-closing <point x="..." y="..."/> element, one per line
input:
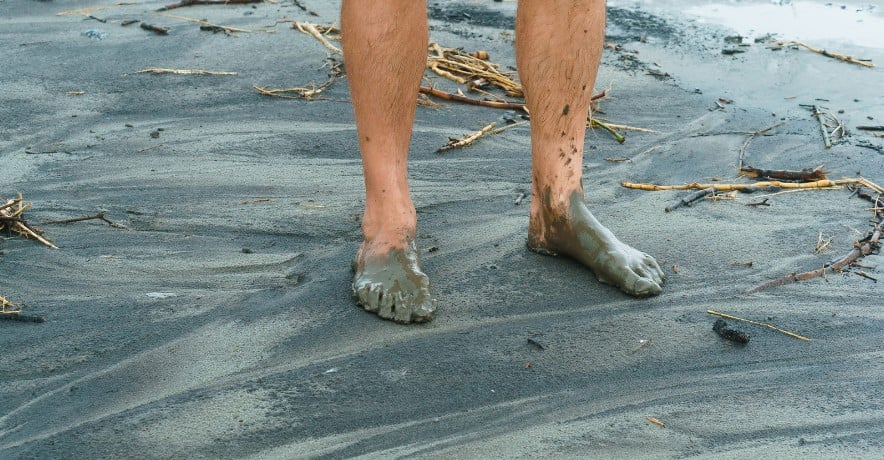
<point x="861" y="25"/>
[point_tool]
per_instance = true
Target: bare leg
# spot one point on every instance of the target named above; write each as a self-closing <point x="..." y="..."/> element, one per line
<point x="558" y="49"/>
<point x="385" y="48"/>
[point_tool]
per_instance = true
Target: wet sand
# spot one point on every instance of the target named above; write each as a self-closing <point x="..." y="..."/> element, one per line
<point x="221" y="323"/>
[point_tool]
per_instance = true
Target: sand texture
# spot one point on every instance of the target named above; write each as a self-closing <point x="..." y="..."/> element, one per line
<point x="220" y="323"/>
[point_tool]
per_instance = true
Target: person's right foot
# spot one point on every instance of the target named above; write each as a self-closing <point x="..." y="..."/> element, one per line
<point x="390" y="283"/>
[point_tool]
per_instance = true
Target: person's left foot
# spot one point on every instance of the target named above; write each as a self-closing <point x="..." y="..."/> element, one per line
<point x="579" y="235"/>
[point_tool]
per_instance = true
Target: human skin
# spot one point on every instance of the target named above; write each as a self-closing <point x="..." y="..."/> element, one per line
<point x="558" y="48"/>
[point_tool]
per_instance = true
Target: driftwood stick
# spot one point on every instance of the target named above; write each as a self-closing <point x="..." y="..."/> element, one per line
<point x="159" y="30"/>
<point x="12" y="221"/>
<point x="311" y="29"/>
<point x="689" y="199"/>
<point x="805" y="175"/>
<point x="838" y="56"/>
<point x="827" y="139"/>
<point x="30" y="232"/>
<point x="508" y="126"/>
<point x="205" y="23"/>
<point x="877" y="200"/>
<point x="867" y="183"/>
<point x="433" y="91"/>
<point x="184" y="3"/>
<point x="157" y="70"/>
<point x="336" y="71"/>
<point x="756" y="323"/>
<point x="9" y="204"/>
<point x="861" y="248"/>
<point x="466" y="140"/>
<point x="631" y="128"/>
<point x="5" y="303"/>
<point x="99" y="216"/>
<point x="730" y="187"/>
<point x="468" y="100"/>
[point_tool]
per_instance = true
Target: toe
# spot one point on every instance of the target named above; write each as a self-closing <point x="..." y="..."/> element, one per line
<point x="644" y="287"/>
<point x="423" y="312"/>
<point x="385" y="304"/>
<point x="657" y="273"/>
<point x="401" y="308"/>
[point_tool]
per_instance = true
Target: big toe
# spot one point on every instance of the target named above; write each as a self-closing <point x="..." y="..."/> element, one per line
<point x="641" y="286"/>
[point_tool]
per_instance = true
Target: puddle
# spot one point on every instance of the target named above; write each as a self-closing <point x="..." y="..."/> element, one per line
<point x="861" y="25"/>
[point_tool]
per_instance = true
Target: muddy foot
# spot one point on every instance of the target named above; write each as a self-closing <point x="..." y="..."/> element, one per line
<point x="393" y="285"/>
<point x="583" y="238"/>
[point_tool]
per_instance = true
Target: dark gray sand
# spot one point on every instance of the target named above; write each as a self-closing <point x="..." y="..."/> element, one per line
<point x="221" y="323"/>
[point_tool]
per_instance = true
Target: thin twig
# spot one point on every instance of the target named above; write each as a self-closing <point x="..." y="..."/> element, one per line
<point x="184" y="3"/>
<point x="655" y="421"/>
<point x="432" y="91"/>
<point x="730" y="187"/>
<point x="205" y="23"/>
<point x="301" y="92"/>
<point x="11" y="220"/>
<point x="508" y="126"/>
<point x="157" y="70"/>
<point x="752" y="136"/>
<point x="689" y="199"/>
<point x="99" y="216"/>
<point x="827" y="140"/>
<point x="311" y="29"/>
<point x="838" y="56"/>
<point x="159" y="30"/>
<point x="466" y="140"/>
<point x="860" y="248"/>
<point x="756" y="323"/>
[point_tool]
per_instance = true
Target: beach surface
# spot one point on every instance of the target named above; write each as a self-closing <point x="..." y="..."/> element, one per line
<point x="216" y="319"/>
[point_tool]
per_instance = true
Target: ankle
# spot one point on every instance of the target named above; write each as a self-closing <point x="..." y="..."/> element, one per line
<point x="548" y="203"/>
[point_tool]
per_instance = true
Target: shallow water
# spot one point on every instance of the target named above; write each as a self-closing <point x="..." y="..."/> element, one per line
<point x="860" y="24"/>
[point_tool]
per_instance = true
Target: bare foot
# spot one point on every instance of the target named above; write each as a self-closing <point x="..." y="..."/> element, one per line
<point x="580" y="236"/>
<point x="391" y="284"/>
